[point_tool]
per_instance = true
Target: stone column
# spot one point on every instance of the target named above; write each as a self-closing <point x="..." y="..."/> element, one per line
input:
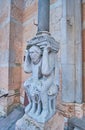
<point x="41" y="88"/>
<point x="71" y="52"/>
<point x="43" y="15"/>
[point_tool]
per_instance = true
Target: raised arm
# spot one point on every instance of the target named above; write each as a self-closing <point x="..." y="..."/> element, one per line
<point x="27" y="63"/>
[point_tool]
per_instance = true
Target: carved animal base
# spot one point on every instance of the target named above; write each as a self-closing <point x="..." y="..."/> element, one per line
<point x="27" y="123"/>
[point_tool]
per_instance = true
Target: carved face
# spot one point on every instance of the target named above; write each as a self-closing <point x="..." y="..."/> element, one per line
<point x="35" y="54"/>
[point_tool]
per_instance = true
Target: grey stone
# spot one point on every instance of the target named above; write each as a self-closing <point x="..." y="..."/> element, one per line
<point x="3" y="92"/>
<point x="43" y="15"/>
<point x="71" y="52"/>
<point x="8" y="123"/>
<point x="27" y="123"/>
<point x="76" y="123"/>
<point x="41" y="87"/>
<point x="28" y="3"/>
<point x="76" y="128"/>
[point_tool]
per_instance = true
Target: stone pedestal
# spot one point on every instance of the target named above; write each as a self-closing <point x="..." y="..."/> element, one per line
<point x="27" y="123"/>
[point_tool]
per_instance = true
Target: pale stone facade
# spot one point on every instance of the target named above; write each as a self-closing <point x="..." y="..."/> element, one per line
<point x="18" y="20"/>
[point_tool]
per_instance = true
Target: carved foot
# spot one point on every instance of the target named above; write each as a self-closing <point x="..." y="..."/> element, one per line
<point x="43" y="116"/>
<point x="33" y="109"/>
<point x="38" y="110"/>
<point x="28" y="107"/>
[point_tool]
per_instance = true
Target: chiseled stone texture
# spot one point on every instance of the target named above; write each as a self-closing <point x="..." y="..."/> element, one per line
<point x="71" y="57"/>
<point x="17" y="10"/>
<point x="30" y="30"/>
<point x="15" y="53"/>
<point x="10" y="52"/>
<point x="4" y="12"/>
<point x="83" y="45"/>
<point x="55" y="123"/>
<point x="72" y="109"/>
<point x="84" y="109"/>
<point x="76" y="128"/>
<point x="4" y="52"/>
<point x="79" y="110"/>
<point x="3" y="106"/>
<point x="67" y="109"/>
<point x="41" y="88"/>
<point x="8" y="123"/>
<point x="18" y="46"/>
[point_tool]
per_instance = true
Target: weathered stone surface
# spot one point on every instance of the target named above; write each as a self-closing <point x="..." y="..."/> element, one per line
<point x="76" y="123"/>
<point x="16" y="13"/>
<point x="67" y="109"/>
<point x="8" y="123"/>
<point x="11" y="42"/>
<point x="28" y="3"/>
<point x="4" y="12"/>
<point x="4" y="53"/>
<point x="30" y="11"/>
<point x="3" y="92"/>
<point x="79" y="111"/>
<point x="77" y="128"/>
<point x="29" y="30"/>
<point x="27" y="123"/>
<point x="71" y="48"/>
<point x="41" y="87"/>
<point x="83" y="46"/>
<point x="43" y="13"/>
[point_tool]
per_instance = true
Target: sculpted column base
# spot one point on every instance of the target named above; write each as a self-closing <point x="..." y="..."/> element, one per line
<point x="27" y="123"/>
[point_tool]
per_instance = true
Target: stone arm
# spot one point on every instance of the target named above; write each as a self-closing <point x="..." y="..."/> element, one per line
<point x="27" y="63"/>
<point x="47" y="81"/>
<point x="47" y="71"/>
<point x="45" y="63"/>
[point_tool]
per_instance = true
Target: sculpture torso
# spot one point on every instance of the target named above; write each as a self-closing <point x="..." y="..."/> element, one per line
<point x="41" y="87"/>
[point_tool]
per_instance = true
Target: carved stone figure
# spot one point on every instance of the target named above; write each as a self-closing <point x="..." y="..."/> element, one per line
<point x="41" y="87"/>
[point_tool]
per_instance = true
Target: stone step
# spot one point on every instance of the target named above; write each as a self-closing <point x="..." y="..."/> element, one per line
<point x="9" y="122"/>
<point x="78" y="124"/>
<point x="1" y="118"/>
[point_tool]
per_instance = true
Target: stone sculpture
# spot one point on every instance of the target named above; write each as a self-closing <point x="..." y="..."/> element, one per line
<point x="41" y="87"/>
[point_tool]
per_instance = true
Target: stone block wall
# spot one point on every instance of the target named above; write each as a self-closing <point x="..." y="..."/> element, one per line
<point x="4" y="51"/>
<point x="15" y="50"/>
<point x="10" y="53"/>
<point x="18" y="20"/>
<point x="83" y="43"/>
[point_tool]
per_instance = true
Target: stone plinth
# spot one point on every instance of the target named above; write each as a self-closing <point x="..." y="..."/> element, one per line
<point x="27" y="123"/>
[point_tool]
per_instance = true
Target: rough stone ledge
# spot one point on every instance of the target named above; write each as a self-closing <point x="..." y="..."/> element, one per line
<point x="76" y="123"/>
<point x="8" y="123"/>
<point x="27" y="123"/>
<point x="3" y="92"/>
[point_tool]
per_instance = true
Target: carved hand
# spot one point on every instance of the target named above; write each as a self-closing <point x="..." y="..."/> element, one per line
<point x="44" y="46"/>
<point x="47" y="48"/>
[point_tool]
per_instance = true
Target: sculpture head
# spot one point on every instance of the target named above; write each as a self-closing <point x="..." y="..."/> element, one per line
<point x="35" y="54"/>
